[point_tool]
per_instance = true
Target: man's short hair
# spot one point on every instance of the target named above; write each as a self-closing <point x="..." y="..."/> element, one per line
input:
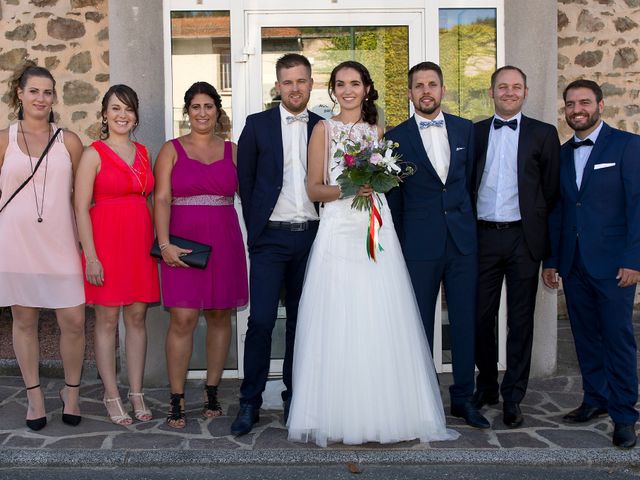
<point x="583" y="83"/>
<point x="495" y="74"/>
<point x="290" y="60"/>
<point x="424" y="66"/>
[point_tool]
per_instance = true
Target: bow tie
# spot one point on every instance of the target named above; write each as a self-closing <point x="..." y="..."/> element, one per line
<point x="584" y="143"/>
<point x="512" y="124"/>
<point x="431" y="123"/>
<point x="303" y="117"/>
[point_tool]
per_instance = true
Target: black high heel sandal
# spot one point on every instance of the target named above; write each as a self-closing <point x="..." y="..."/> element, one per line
<point x="176" y="412"/>
<point x="36" y="423"/>
<point x="68" y="418"/>
<point x="212" y="407"/>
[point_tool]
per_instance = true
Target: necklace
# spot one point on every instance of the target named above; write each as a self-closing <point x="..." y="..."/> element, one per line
<point x="39" y="205"/>
<point x="137" y="174"/>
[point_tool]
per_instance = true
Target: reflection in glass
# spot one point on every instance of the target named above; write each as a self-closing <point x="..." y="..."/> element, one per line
<point x="199" y="355"/>
<point x="200" y="51"/>
<point x="383" y="50"/>
<point x="468" y="58"/>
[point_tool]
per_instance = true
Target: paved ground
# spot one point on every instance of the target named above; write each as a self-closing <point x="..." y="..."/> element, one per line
<point x="543" y="439"/>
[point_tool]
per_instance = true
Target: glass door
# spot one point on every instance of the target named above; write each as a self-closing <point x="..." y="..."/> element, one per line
<point x="388" y="44"/>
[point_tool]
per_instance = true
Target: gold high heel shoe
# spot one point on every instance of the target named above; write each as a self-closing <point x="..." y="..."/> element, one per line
<point x="123" y="418"/>
<point x="143" y="414"/>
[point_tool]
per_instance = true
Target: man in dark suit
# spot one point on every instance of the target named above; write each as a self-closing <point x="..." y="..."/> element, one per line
<point x="515" y="187"/>
<point x="435" y="223"/>
<point x="595" y="239"/>
<point x="281" y="224"/>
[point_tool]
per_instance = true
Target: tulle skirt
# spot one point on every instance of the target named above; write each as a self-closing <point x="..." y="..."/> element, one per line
<point x="362" y="368"/>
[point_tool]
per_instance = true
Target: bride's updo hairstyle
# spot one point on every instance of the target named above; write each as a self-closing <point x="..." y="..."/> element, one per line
<point x="369" y="110"/>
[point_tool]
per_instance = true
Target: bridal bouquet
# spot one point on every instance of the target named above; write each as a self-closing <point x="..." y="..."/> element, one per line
<point x="369" y="161"/>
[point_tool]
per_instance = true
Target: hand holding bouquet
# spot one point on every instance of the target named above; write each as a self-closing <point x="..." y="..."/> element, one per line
<point x="369" y="162"/>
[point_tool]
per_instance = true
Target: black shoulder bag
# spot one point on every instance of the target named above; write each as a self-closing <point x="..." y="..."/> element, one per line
<point x="35" y="169"/>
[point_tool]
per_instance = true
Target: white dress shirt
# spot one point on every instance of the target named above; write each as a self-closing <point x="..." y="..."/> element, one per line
<point x="498" y="192"/>
<point x="581" y="155"/>
<point x="436" y="144"/>
<point x="293" y="204"/>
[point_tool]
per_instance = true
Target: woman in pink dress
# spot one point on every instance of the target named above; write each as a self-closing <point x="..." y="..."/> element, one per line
<point x="40" y="262"/>
<point x="196" y="180"/>
<point x="113" y="205"/>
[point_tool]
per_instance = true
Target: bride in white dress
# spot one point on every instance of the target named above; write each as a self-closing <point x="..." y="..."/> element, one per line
<point x="362" y="369"/>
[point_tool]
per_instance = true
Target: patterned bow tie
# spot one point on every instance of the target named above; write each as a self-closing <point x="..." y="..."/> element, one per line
<point x="431" y="123"/>
<point x="512" y="124"/>
<point x="303" y="117"/>
<point x="584" y="143"/>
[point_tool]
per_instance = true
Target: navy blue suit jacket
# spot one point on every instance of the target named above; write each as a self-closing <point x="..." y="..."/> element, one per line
<point x="424" y="209"/>
<point x="604" y="215"/>
<point x="260" y="167"/>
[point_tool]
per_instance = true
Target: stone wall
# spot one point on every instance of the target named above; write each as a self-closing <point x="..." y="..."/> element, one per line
<point x="600" y="40"/>
<point x="71" y="39"/>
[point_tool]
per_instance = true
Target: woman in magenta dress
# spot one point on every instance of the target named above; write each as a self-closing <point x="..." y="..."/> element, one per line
<point x="39" y="258"/>
<point x="196" y="181"/>
<point x="114" y="223"/>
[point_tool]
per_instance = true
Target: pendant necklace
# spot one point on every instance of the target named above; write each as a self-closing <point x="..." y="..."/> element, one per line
<point x="136" y="173"/>
<point x="39" y="205"/>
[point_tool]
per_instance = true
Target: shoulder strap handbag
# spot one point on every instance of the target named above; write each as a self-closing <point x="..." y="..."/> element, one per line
<point x="35" y="169"/>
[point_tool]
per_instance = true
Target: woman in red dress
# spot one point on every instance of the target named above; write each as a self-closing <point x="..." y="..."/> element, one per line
<point x="112" y="204"/>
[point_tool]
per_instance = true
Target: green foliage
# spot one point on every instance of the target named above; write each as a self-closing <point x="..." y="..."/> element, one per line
<point x="468" y="58"/>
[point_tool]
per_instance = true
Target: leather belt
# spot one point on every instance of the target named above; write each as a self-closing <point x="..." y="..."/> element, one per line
<point x="499" y="225"/>
<point x="292" y="226"/>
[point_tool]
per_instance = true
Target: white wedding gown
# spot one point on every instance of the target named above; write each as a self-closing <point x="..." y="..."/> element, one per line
<point x="362" y="369"/>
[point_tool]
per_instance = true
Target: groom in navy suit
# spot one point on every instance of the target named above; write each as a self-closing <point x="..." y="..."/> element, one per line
<point x="436" y="226"/>
<point x="595" y="243"/>
<point x="281" y="224"/>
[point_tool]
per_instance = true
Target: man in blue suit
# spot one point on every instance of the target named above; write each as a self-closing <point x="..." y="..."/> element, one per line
<point x="595" y="248"/>
<point x="435" y="223"/>
<point x="281" y="224"/>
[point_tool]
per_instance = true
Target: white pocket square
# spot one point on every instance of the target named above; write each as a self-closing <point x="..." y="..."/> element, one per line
<point x="459" y="148"/>
<point x="598" y="166"/>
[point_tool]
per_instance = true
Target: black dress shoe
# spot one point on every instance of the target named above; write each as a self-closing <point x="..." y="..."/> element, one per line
<point x="246" y="418"/>
<point x="470" y="414"/>
<point x="584" y="413"/>
<point x="484" y="397"/>
<point x="624" y="435"/>
<point x="512" y="415"/>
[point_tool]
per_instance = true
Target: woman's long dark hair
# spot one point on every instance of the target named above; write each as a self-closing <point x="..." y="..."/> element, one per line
<point x="369" y="110"/>
<point x="126" y="95"/>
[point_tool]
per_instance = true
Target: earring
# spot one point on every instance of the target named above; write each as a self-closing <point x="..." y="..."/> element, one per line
<point x="52" y="118"/>
<point x="104" y="129"/>
<point x="20" y="110"/>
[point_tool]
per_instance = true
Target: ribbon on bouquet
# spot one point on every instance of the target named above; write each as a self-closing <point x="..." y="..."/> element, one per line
<point x="375" y="222"/>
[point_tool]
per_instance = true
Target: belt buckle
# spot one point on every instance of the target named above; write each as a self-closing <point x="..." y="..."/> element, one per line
<point x="502" y="225"/>
<point x="299" y="227"/>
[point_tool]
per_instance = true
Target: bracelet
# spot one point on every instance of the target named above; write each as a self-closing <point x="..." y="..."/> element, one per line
<point x="340" y="194"/>
<point x="93" y="260"/>
<point x="162" y="246"/>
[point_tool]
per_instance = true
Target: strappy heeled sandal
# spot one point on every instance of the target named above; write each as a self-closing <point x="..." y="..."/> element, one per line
<point x="142" y="414"/>
<point x="212" y="407"/>
<point x="36" y="424"/>
<point x="123" y="418"/>
<point x="176" y="417"/>
<point x="68" y="418"/>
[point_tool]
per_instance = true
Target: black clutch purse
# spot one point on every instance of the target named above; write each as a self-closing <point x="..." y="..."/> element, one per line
<point x="198" y="257"/>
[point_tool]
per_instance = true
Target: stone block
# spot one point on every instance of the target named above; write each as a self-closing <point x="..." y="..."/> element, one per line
<point x="588" y="23"/>
<point x="80" y="62"/>
<point x="22" y="33"/>
<point x="624" y="23"/>
<point x="65" y="28"/>
<point x="78" y="92"/>
<point x="576" y="438"/>
<point x="11" y="59"/>
<point x="625" y="57"/>
<point x="589" y="58"/>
